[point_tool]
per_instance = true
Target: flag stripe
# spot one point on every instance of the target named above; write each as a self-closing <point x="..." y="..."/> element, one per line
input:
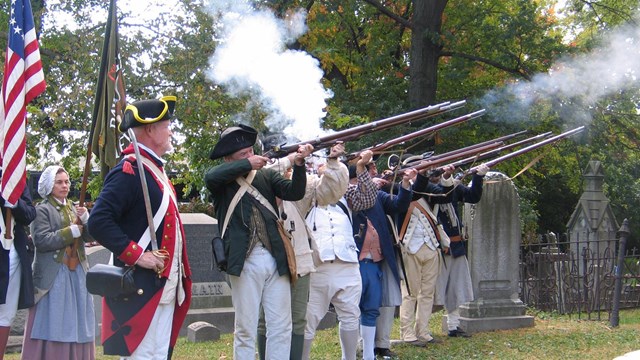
<point x="23" y="80"/>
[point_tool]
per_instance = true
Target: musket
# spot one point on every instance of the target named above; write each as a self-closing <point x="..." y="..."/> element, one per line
<point x="513" y="154"/>
<point x="426" y="131"/>
<point x="500" y="139"/>
<point x="470" y="154"/>
<point x="447" y="157"/>
<point x="396" y="159"/>
<point x="496" y="151"/>
<point x="356" y="132"/>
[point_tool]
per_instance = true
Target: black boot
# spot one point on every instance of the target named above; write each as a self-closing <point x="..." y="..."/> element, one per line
<point x="457" y="332"/>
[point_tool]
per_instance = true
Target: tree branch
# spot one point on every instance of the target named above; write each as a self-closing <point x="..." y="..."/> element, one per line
<point x="399" y="19"/>
<point x="593" y="5"/>
<point x="515" y="71"/>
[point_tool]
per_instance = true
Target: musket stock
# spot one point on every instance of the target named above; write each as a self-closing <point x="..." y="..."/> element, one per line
<point x="356" y="132"/>
<point x="524" y="150"/>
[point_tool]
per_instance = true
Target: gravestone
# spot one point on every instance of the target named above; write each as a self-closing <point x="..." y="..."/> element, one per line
<point x="201" y="331"/>
<point x="494" y="231"/>
<point x="211" y="301"/>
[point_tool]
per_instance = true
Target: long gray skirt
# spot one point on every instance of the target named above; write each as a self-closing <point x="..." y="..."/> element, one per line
<point x="62" y="324"/>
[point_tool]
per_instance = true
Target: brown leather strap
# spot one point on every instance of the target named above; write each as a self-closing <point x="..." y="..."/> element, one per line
<point x="455" y="238"/>
<point x="405" y="223"/>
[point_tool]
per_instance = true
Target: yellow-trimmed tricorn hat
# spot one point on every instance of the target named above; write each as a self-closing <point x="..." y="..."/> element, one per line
<point x="145" y="112"/>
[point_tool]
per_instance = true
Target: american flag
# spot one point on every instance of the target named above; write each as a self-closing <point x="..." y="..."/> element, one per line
<point x="23" y="81"/>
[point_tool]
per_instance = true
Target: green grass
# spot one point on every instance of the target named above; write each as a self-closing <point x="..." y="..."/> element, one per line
<point x="552" y="337"/>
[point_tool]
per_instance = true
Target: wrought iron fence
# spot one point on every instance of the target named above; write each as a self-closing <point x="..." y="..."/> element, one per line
<point x="577" y="276"/>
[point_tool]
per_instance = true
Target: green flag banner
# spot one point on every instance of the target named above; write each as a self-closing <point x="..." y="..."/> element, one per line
<point x="110" y="101"/>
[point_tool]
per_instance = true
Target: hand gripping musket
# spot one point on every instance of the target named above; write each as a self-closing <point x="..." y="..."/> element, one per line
<point x="356" y="132"/>
<point x="513" y="154"/>
<point x="423" y="132"/>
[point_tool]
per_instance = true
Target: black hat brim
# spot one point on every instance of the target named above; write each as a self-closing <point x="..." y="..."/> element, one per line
<point x="146" y="112"/>
<point x="232" y="140"/>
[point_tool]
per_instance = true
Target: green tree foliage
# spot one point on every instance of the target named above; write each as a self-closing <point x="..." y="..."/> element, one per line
<point x="370" y="53"/>
<point x="614" y="138"/>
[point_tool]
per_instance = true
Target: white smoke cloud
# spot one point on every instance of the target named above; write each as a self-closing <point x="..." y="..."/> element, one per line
<point x="577" y="83"/>
<point x="252" y="58"/>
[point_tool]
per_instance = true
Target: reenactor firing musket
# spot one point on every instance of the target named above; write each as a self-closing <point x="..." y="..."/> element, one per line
<point x="513" y="154"/>
<point x="426" y="131"/>
<point x="356" y="132"/>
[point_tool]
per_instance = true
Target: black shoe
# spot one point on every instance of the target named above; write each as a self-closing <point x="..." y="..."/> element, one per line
<point x="385" y="353"/>
<point x="458" y="333"/>
<point x="417" y="343"/>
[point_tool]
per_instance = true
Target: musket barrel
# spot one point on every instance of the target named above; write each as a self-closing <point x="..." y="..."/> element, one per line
<point x="500" y="140"/>
<point x="423" y="132"/>
<point x="447" y="157"/>
<point x="485" y="150"/>
<point x="492" y="152"/>
<point x="531" y="147"/>
<point x="360" y="130"/>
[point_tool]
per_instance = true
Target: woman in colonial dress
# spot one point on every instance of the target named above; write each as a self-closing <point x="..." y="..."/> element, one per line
<point x="61" y="325"/>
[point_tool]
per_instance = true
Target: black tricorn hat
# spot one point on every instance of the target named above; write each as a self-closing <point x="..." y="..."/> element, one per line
<point x="234" y="139"/>
<point x="145" y="112"/>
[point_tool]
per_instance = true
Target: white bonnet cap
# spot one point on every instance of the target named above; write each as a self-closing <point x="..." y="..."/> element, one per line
<point x="48" y="177"/>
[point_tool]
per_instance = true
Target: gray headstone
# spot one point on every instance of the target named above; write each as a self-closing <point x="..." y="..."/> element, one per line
<point x="202" y="331"/>
<point x="199" y="230"/>
<point x="211" y="301"/>
<point x="494" y="231"/>
<point x="17" y="326"/>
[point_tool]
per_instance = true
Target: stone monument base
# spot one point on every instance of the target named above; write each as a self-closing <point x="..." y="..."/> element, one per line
<point x="472" y="326"/>
<point x="488" y="315"/>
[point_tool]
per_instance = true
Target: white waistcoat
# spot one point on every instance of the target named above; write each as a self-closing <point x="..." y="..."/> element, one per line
<point x="419" y="232"/>
<point x="333" y="233"/>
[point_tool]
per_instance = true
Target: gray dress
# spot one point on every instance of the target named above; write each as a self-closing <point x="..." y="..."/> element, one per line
<point x="63" y="320"/>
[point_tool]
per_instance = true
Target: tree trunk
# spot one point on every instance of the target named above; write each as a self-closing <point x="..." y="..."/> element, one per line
<point x="425" y="51"/>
